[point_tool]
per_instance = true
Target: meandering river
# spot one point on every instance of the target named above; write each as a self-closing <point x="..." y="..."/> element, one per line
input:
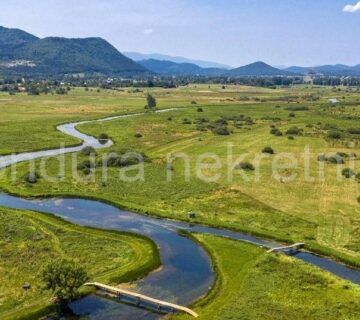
<point x="186" y="272"/>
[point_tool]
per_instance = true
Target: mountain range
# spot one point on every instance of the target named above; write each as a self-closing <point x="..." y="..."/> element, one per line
<point x="136" y="56"/>
<point x="24" y="54"/>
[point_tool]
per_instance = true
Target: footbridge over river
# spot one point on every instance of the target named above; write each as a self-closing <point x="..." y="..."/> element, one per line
<point x="161" y="306"/>
<point x="295" y="246"/>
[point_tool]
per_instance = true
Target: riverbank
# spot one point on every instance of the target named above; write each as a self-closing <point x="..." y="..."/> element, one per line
<point x="255" y="285"/>
<point x="30" y="240"/>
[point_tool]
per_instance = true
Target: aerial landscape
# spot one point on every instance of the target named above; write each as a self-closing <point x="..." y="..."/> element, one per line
<point x="179" y="160"/>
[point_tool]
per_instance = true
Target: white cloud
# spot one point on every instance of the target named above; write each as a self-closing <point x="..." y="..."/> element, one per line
<point x="352" y="7"/>
<point x="148" y="31"/>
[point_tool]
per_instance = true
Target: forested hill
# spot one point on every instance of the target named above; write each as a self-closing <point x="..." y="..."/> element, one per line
<point x="23" y="53"/>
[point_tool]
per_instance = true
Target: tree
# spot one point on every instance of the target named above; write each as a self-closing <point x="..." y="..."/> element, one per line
<point x="151" y="102"/>
<point x="64" y="278"/>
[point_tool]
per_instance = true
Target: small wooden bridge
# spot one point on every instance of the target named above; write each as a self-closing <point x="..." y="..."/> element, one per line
<point x="295" y="246"/>
<point x="159" y="304"/>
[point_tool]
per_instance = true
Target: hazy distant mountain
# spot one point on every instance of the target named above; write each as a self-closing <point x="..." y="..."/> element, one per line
<point x="327" y="70"/>
<point x="164" y="67"/>
<point x="22" y="53"/>
<point x="256" y="69"/>
<point x="157" y="56"/>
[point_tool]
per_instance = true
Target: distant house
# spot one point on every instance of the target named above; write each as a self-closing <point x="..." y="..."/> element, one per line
<point x="333" y="101"/>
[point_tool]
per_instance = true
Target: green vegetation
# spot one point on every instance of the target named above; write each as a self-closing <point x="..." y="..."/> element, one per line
<point x="254" y="285"/>
<point x="64" y="278"/>
<point x="30" y="241"/>
<point x="322" y="212"/>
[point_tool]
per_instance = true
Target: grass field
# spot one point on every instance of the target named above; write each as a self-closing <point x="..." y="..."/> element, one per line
<point x="31" y="240"/>
<point x="255" y="285"/>
<point x="324" y="213"/>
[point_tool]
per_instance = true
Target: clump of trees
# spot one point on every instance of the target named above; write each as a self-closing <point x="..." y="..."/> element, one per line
<point x="297" y="108"/>
<point x="276" y="132"/>
<point x="103" y="138"/>
<point x="64" y="278"/>
<point x="150" y="102"/>
<point x="87" y="166"/>
<point x="294" y="131"/>
<point x="87" y="151"/>
<point x="125" y="159"/>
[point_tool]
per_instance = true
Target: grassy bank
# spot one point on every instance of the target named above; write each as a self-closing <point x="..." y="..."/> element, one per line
<point x="254" y="285"/>
<point x="30" y="240"/>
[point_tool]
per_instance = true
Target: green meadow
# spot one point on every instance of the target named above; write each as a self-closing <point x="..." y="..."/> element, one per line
<point x="29" y="241"/>
<point x="254" y="285"/>
<point x="318" y="207"/>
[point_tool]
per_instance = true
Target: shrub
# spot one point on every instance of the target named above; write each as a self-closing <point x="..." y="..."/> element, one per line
<point x="87" y="151"/>
<point x="186" y="121"/>
<point x="170" y="119"/>
<point x="138" y="135"/>
<point x="354" y="131"/>
<point x="31" y="177"/>
<point x="221" y="130"/>
<point x="193" y="102"/>
<point x="333" y="134"/>
<point x="296" y="108"/>
<point x="103" y="138"/>
<point x="276" y="132"/>
<point x="200" y="109"/>
<point x="245" y="166"/>
<point x="292" y="115"/>
<point x="348" y="173"/>
<point x="322" y="158"/>
<point x="294" y="131"/>
<point x="291" y="138"/>
<point x="268" y="150"/>
<point x="358" y="177"/>
<point x="86" y="166"/>
<point x="336" y="159"/>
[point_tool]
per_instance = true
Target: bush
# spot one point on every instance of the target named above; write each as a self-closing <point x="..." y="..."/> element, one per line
<point x="186" y="121"/>
<point x="87" y="164"/>
<point x="32" y="177"/>
<point x="294" y="131"/>
<point x="296" y="108"/>
<point x="292" y="115"/>
<point x="358" y="199"/>
<point x="103" y="138"/>
<point x="245" y="166"/>
<point x="87" y="151"/>
<point x="354" y="131"/>
<point x="333" y="134"/>
<point x="348" y="173"/>
<point x="170" y="119"/>
<point x="276" y="132"/>
<point x="268" y="150"/>
<point x="358" y="177"/>
<point x="200" y="109"/>
<point x="221" y="131"/>
<point x="138" y="135"/>
<point x="193" y="102"/>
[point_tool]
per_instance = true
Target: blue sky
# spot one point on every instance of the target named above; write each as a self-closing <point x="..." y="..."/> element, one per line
<point x="235" y="32"/>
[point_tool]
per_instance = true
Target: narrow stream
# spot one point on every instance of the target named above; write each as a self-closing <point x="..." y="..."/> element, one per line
<point x="186" y="272"/>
